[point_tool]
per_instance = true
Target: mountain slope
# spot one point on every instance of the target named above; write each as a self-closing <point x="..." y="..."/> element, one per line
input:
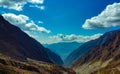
<point x="18" y="45"/>
<point x="63" y="48"/>
<point x="102" y="57"/>
<point x="11" y="66"/>
<point x="77" y="53"/>
<point x="54" y="57"/>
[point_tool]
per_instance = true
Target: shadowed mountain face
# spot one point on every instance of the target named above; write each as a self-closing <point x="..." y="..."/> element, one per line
<point x="18" y="45"/>
<point x="55" y="58"/>
<point x="63" y="48"/>
<point x="102" y="58"/>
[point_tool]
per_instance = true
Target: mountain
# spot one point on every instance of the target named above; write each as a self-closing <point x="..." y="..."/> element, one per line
<point x="73" y="56"/>
<point x="103" y="57"/>
<point x="18" y="45"/>
<point x="55" y="58"/>
<point x="77" y="53"/>
<point x="63" y="48"/>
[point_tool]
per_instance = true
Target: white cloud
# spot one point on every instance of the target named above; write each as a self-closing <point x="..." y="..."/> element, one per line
<point x="32" y="26"/>
<point x="40" y="22"/>
<point x="110" y="17"/>
<point x="18" y="4"/>
<point x="73" y="37"/>
<point x="36" y="1"/>
<point x="42" y="7"/>
<point x="22" y="21"/>
<point x="38" y="6"/>
<point x="12" y="4"/>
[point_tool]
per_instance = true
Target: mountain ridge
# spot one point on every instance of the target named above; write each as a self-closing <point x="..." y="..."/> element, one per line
<point x="102" y="57"/>
<point x="20" y="42"/>
<point x="19" y="45"/>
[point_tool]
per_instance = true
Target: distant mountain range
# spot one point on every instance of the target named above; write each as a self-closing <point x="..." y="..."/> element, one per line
<point x="102" y="56"/>
<point x="63" y="48"/>
<point x="19" y="53"/>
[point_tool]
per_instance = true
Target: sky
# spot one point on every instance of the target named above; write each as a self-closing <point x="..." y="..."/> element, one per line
<point x="53" y="21"/>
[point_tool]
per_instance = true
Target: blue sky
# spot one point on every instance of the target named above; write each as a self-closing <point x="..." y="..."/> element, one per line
<point x="51" y="21"/>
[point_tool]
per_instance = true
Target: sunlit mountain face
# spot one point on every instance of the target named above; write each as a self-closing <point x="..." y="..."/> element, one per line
<point x="63" y="31"/>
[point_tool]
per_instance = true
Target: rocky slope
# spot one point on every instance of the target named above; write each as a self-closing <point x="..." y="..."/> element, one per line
<point x="11" y="66"/>
<point x="103" y="58"/>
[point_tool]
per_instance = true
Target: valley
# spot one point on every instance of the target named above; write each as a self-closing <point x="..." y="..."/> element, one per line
<point x="22" y="54"/>
<point x="59" y="36"/>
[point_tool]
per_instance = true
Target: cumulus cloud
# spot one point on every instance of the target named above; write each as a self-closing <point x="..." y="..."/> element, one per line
<point x="110" y="17"/>
<point x="24" y="22"/>
<point x="73" y="37"/>
<point x="17" y="20"/>
<point x="18" y="4"/>
<point x="32" y="26"/>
